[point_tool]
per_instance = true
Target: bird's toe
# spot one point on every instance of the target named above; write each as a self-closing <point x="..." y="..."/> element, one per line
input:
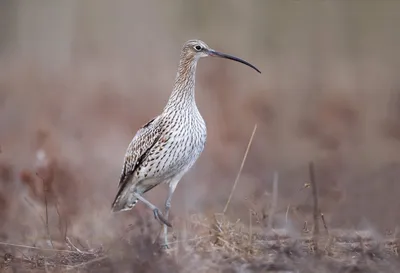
<point x="160" y="218"/>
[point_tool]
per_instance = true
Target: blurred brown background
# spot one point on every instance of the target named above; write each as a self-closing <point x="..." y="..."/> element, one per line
<point x="78" y="78"/>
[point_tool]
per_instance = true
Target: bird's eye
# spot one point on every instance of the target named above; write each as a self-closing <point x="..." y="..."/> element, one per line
<point x="198" y="48"/>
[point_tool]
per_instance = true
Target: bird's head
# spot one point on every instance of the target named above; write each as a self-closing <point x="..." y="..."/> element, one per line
<point x="196" y="49"/>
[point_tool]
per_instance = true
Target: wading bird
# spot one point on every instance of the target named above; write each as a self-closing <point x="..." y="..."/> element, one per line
<point x="165" y="148"/>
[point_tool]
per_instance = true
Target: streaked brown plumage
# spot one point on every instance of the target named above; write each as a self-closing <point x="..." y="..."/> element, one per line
<point x="165" y="148"/>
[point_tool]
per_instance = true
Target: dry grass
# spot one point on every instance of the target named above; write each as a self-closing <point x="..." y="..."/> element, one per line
<point x="217" y="246"/>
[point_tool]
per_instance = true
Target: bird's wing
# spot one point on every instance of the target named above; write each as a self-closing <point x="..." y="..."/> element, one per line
<point x="139" y="147"/>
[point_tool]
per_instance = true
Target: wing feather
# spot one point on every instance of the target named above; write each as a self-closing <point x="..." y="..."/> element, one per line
<point x="141" y="144"/>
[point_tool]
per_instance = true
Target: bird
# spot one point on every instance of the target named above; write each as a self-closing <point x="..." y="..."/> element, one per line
<point x="167" y="146"/>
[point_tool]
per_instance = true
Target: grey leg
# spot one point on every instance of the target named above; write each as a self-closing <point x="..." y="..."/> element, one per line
<point x="167" y="207"/>
<point x="171" y="189"/>
<point x="155" y="210"/>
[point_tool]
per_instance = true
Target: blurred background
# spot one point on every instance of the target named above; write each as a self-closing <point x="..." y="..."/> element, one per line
<point x="78" y="78"/>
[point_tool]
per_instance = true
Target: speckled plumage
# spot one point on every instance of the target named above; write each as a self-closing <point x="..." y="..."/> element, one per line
<point x="165" y="148"/>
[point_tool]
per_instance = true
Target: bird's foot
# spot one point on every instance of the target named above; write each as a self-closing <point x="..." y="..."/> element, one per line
<point x="165" y="246"/>
<point x="160" y="218"/>
<point x="162" y="245"/>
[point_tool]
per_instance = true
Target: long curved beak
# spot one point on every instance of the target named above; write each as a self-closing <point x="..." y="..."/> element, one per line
<point x="212" y="52"/>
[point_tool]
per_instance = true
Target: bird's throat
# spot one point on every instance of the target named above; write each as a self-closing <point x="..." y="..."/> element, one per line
<point x="183" y="94"/>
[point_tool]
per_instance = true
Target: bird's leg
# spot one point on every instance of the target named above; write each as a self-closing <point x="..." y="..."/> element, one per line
<point x="166" y="214"/>
<point x="171" y="189"/>
<point x="155" y="210"/>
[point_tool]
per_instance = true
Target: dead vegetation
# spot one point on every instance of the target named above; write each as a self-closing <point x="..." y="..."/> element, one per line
<point x="222" y="246"/>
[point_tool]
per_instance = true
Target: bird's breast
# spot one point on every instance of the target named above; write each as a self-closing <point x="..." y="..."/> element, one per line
<point x="181" y="142"/>
<point x="180" y="146"/>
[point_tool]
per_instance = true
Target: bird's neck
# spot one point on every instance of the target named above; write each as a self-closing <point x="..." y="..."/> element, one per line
<point x="183" y="94"/>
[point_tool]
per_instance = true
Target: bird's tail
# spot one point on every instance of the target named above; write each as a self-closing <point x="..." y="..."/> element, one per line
<point x="123" y="201"/>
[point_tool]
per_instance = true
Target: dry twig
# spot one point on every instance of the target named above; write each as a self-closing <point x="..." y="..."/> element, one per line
<point x="240" y="169"/>
<point x="43" y="249"/>
<point x="274" y="200"/>
<point x="324" y="222"/>
<point x="87" y="263"/>
<point x="46" y="209"/>
<point x="315" y="201"/>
